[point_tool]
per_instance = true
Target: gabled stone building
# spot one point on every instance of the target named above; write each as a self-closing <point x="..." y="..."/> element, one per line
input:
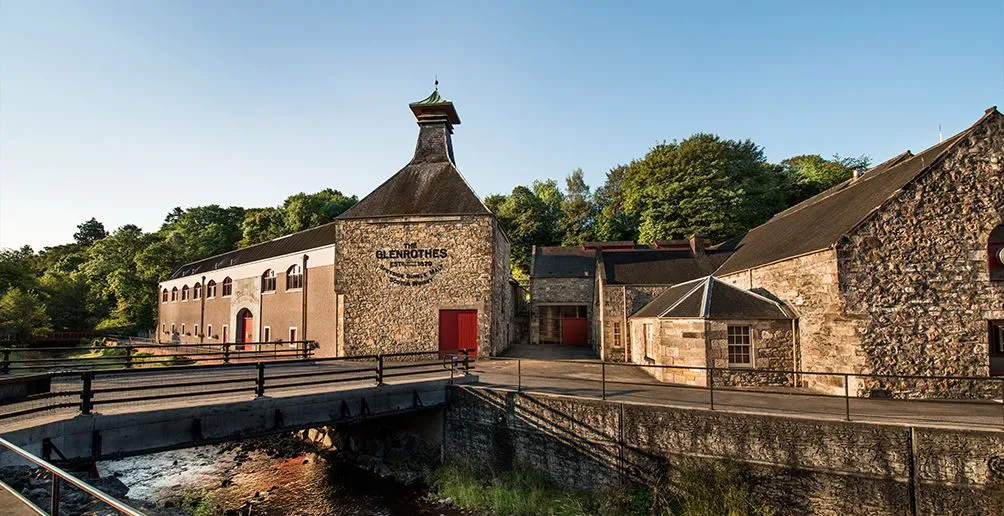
<point x="897" y="271"/>
<point x="417" y="265"/>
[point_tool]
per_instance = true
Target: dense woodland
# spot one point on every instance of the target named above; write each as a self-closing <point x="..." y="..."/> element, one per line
<point x="703" y="184"/>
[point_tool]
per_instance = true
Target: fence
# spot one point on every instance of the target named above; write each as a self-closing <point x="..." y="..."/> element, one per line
<point x="705" y="388"/>
<point x="59" y="477"/>
<point x="87" y="390"/>
<point x="140" y="353"/>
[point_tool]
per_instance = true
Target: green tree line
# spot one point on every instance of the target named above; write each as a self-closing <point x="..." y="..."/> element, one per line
<point x="703" y="184"/>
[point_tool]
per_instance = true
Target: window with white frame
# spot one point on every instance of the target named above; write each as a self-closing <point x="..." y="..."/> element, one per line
<point x="648" y="340"/>
<point x="184" y="293"/>
<point x="209" y="331"/>
<point x="173" y="329"/>
<point x="196" y="333"/>
<point x="182" y="328"/>
<point x="197" y="291"/>
<point x="228" y="287"/>
<point x="210" y="289"/>
<point x="163" y="296"/>
<point x="268" y="281"/>
<point x="740" y="346"/>
<point x="292" y="336"/>
<point x="163" y="327"/>
<point x="617" y="335"/>
<point x="174" y="294"/>
<point x="294" y="277"/>
<point x="268" y="334"/>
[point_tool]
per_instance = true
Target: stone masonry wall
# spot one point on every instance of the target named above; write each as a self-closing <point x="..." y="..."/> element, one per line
<point x="916" y="276"/>
<point x="800" y="466"/>
<point x="772" y="349"/>
<point x="502" y="300"/>
<point x="828" y="338"/>
<point x="615" y="299"/>
<point x="390" y="308"/>
<point x="563" y="291"/>
<point x="675" y="342"/>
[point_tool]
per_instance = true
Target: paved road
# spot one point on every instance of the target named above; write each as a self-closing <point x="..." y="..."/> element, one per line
<point x="631" y="384"/>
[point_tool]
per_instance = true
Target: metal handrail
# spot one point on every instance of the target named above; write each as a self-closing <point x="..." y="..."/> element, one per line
<point x="58" y="476"/>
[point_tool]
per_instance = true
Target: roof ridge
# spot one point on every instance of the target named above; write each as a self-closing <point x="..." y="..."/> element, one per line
<point x="682" y="298"/>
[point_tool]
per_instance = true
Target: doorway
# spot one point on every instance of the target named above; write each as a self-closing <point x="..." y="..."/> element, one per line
<point x="458" y="329"/>
<point x="245" y="328"/>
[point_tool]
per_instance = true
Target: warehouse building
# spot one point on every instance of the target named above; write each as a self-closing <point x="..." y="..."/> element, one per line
<point x="417" y="265"/>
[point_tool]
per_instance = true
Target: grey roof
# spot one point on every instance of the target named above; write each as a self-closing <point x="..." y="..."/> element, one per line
<point x="711" y="298"/>
<point x="563" y="262"/>
<point x="301" y="241"/>
<point x="428" y="185"/>
<point x="820" y="221"/>
<point x="660" y="266"/>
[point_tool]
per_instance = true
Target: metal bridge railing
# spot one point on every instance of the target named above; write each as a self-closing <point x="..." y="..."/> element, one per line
<point x="90" y="390"/>
<point x="58" y="477"/>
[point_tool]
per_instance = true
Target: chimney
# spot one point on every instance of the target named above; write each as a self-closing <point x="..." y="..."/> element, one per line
<point x="697" y="245"/>
<point x="436" y="117"/>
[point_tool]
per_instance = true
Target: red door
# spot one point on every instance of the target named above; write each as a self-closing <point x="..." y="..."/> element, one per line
<point x="573" y="332"/>
<point x="458" y="329"/>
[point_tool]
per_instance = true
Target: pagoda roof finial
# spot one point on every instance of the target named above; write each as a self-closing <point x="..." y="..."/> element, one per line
<point x="434" y="105"/>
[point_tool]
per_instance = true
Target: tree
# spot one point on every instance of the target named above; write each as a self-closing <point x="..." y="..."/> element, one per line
<point x="703" y="184"/>
<point x="22" y="314"/>
<point x="613" y="223"/>
<point x="261" y="225"/>
<point x="121" y="294"/>
<point x="527" y="221"/>
<point x="89" y="231"/>
<point x="17" y="269"/>
<point x="578" y="213"/>
<point x="66" y="298"/>
<point x="205" y="231"/>
<point x="305" y="211"/>
<point x="810" y="174"/>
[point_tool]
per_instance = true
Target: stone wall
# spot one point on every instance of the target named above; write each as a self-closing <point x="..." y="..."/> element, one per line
<point x="828" y="338"/>
<point x="800" y="466"/>
<point x="915" y="275"/>
<point x="390" y="308"/>
<point x="503" y="303"/>
<point x="675" y="342"/>
<point x="616" y="304"/>
<point x="773" y="348"/>
<point x="560" y="291"/>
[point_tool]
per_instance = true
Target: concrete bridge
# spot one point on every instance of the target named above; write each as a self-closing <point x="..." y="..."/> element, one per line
<point x="97" y="415"/>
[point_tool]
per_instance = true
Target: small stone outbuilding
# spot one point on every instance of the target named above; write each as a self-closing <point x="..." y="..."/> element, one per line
<point x="710" y="323"/>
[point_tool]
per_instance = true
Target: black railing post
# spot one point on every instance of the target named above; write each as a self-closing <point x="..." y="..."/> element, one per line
<point x="467" y="361"/>
<point x="847" y="396"/>
<point x="259" y="386"/>
<point x="306" y="350"/>
<point x="226" y="352"/>
<point x="379" y="371"/>
<point x="5" y="365"/>
<point x="711" y="385"/>
<point x="86" y="394"/>
<point x="128" y="357"/>
<point x="54" y="501"/>
<point x="603" y="380"/>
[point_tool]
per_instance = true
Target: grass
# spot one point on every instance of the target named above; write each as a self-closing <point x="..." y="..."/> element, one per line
<point x="691" y="489"/>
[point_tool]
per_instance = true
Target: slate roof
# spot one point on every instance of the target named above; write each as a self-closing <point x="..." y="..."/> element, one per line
<point x="563" y="262"/>
<point x="820" y="221"/>
<point x="660" y="266"/>
<point x="711" y="298"/>
<point x="301" y="241"/>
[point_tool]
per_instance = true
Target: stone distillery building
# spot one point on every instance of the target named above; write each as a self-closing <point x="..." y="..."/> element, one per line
<point x="898" y="271"/>
<point x="419" y="264"/>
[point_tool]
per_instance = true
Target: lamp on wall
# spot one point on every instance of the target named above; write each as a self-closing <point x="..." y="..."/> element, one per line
<point x="1000" y="256"/>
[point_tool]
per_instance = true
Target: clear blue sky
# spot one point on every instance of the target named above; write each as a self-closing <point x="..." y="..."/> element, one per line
<point x="123" y="110"/>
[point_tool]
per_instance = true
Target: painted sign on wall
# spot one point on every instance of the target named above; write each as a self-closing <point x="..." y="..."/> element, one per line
<point x="411" y="265"/>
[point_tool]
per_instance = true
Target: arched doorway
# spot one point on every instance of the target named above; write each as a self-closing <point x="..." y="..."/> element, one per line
<point x="245" y="328"/>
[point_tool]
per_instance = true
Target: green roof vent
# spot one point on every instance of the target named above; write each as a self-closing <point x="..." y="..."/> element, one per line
<point x="435" y="107"/>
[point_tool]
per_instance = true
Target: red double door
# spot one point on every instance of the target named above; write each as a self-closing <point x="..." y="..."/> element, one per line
<point x="458" y="329"/>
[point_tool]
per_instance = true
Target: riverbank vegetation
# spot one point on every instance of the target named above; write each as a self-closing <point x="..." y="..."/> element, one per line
<point x="692" y="489"/>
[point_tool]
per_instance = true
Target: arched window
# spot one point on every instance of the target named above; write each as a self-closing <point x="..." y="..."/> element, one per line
<point x="228" y="286"/>
<point x="995" y="254"/>
<point x="163" y="296"/>
<point x="197" y="291"/>
<point x="294" y="277"/>
<point x="184" y="293"/>
<point x="210" y="289"/>
<point x="174" y="294"/>
<point x="268" y="281"/>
